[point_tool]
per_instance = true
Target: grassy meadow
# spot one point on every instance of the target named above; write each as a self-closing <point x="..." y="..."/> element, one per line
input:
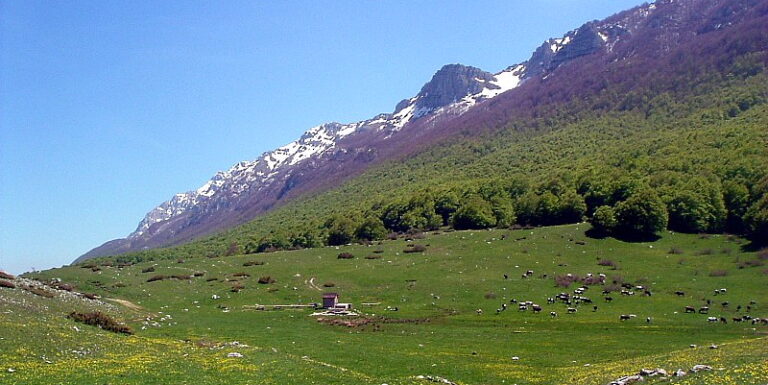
<point x="185" y="328"/>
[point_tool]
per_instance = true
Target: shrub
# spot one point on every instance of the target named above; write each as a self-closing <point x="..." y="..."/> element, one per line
<point x="762" y="255"/>
<point x="265" y="280"/>
<point x="5" y="275"/>
<point x="158" y="277"/>
<point x="237" y="287"/>
<point x="373" y="256"/>
<point x="7" y="284"/>
<point x="211" y="279"/>
<point x="241" y="274"/>
<point x="253" y="263"/>
<point x="329" y="284"/>
<point x="272" y="290"/>
<point x="198" y="274"/>
<point x="89" y="295"/>
<point x="150" y="269"/>
<point x="705" y="252"/>
<point x="608" y="262"/>
<point x="101" y="320"/>
<point x="181" y="277"/>
<point x="89" y="266"/>
<point x="39" y="292"/>
<point x="345" y="256"/>
<point x="675" y="250"/>
<point x="180" y="260"/>
<point x="643" y="213"/>
<point x="119" y="284"/>
<point x="718" y="273"/>
<point x="564" y="280"/>
<point x="754" y="263"/>
<point x="415" y="249"/>
<point x="490" y="295"/>
<point x="64" y="286"/>
<point x="382" y="252"/>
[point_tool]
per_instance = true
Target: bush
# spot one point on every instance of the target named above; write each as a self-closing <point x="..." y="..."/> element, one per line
<point x="7" y="284"/>
<point x="382" y="252"/>
<point x="158" y="277"/>
<point x="90" y="295"/>
<point x="564" y="281"/>
<point x="718" y="273"/>
<point x="253" y="263"/>
<point x="211" y="279"/>
<point x="5" y="275"/>
<point x="329" y="284"/>
<point x="150" y="269"/>
<point x="705" y="252"/>
<point x="604" y="220"/>
<point x="345" y="256"/>
<point x="762" y="255"/>
<point x="755" y="263"/>
<point x="64" y="286"/>
<point x="608" y="262"/>
<point x="675" y="250"/>
<point x="237" y="287"/>
<point x="198" y="274"/>
<point x="490" y="295"/>
<point x="241" y="274"/>
<point x="474" y="213"/>
<point x="101" y="320"/>
<point x="415" y="249"/>
<point x="182" y="277"/>
<point x="39" y="292"/>
<point x="265" y="280"/>
<point x="373" y="256"/>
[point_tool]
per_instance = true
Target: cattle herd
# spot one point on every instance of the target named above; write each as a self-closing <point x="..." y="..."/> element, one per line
<point x="577" y="299"/>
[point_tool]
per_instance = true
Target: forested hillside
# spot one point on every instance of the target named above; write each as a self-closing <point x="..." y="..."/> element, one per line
<point x="691" y="159"/>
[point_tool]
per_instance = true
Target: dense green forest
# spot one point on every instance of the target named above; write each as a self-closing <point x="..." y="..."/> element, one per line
<point x="691" y="159"/>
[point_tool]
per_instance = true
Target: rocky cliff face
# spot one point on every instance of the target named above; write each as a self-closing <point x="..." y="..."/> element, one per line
<point x="327" y="154"/>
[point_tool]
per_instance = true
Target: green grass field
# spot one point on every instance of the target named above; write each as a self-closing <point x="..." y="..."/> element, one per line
<point x="435" y="332"/>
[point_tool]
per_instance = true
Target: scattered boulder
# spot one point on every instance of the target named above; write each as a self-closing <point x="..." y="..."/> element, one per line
<point x="626" y="380"/>
<point x="679" y="373"/>
<point x="700" y="368"/>
<point x="235" y="355"/>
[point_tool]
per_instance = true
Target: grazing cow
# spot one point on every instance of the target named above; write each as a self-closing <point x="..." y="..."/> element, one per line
<point x="550" y="300"/>
<point x="680" y="293"/>
<point x="690" y="309"/>
<point x="625" y="317"/>
<point x="594" y="308"/>
<point x="571" y="310"/>
<point x="723" y="320"/>
<point x="648" y="320"/>
<point x="522" y="307"/>
<point x="506" y="276"/>
<point x="724" y="304"/>
<point x="504" y="306"/>
<point x="553" y="314"/>
<point x="608" y="299"/>
<point x="738" y="308"/>
<point x="711" y="319"/>
<point x="704" y="310"/>
<point x="736" y="319"/>
<point x="749" y="308"/>
<point x="647" y="293"/>
<point x="479" y="311"/>
<point x="536" y="308"/>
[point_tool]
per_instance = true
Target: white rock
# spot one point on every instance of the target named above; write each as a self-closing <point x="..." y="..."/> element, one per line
<point x="235" y="355"/>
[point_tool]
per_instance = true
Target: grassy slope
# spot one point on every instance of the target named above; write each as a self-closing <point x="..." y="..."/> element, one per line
<point x="459" y="267"/>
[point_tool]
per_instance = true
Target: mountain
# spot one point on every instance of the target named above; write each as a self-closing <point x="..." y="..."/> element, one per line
<point x="650" y="44"/>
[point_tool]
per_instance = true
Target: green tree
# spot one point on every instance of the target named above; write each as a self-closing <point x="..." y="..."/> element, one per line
<point x="503" y="210"/>
<point x="642" y="214"/>
<point x="446" y="203"/>
<point x="571" y="207"/>
<point x="371" y="229"/>
<point x="736" y="197"/>
<point x="341" y="230"/>
<point x="604" y="220"/>
<point x="756" y="220"/>
<point x="474" y="213"/>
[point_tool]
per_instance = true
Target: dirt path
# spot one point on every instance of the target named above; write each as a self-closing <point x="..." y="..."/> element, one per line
<point x="313" y="285"/>
<point x="126" y="303"/>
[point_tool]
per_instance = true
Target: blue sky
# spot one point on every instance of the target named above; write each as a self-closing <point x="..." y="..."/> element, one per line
<point x="109" y="108"/>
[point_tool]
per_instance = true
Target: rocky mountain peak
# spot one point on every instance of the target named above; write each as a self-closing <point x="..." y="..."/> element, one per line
<point x="450" y="84"/>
